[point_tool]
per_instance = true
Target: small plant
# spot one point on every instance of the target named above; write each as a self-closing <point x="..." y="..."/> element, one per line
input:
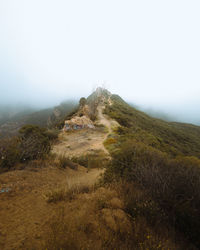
<point x="97" y="159"/>
<point x="64" y="162"/>
<point x="55" y="195"/>
<point x="67" y="193"/>
<point x="110" y="141"/>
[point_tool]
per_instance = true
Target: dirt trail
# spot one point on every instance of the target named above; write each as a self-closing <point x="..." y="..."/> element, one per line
<point x="103" y="119"/>
<point x="87" y="140"/>
<point x="106" y="120"/>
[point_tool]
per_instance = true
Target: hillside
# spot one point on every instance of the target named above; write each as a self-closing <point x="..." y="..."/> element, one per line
<point x="9" y="125"/>
<point x="159" y="164"/>
<point x="171" y="137"/>
<point x="113" y="178"/>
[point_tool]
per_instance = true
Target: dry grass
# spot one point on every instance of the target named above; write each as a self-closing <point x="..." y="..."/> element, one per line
<point x="148" y="230"/>
<point x="83" y="225"/>
<point x="96" y="159"/>
<point x="110" y="141"/>
<point x="63" y="162"/>
<point x="99" y="218"/>
<point x="67" y="193"/>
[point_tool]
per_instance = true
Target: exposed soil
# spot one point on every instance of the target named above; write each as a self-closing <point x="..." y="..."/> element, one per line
<point x="79" y="142"/>
<point x="87" y="140"/>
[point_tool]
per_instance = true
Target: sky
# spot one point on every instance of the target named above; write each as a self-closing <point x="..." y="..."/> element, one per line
<point x="148" y="52"/>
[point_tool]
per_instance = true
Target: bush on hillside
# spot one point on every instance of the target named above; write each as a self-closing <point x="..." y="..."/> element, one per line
<point x="82" y="101"/>
<point x="9" y="153"/>
<point x="32" y="143"/>
<point x="173" y="184"/>
<point x="52" y="134"/>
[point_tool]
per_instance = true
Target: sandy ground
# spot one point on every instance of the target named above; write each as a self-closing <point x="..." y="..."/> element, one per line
<point x="79" y="142"/>
<point x="87" y="140"/>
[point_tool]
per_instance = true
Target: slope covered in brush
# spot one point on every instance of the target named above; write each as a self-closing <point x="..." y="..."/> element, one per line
<point x="159" y="166"/>
<point x="174" y="138"/>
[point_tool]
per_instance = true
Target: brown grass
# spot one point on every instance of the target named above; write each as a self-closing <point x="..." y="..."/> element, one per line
<point x="67" y="193"/>
<point x="83" y="225"/>
<point x="63" y="162"/>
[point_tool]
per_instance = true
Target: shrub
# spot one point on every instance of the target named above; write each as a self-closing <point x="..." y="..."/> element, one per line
<point x="55" y="195"/>
<point x="52" y="134"/>
<point x="110" y="141"/>
<point x="9" y="153"/>
<point x="82" y="101"/>
<point x="67" y="193"/>
<point x="173" y="184"/>
<point x="34" y="142"/>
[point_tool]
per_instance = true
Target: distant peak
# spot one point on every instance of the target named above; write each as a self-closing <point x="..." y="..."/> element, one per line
<point x="101" y="91"/>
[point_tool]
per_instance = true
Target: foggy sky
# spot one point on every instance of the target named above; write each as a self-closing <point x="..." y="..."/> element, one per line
<point x="148" y="52"/>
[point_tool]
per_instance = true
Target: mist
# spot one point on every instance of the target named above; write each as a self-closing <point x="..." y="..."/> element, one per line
<point x="145" y="51"/>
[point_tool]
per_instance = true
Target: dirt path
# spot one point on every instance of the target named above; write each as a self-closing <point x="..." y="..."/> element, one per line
<point x="87" y="140"/>
<point x="104" y="120"/>
<point x="80" y="142"/>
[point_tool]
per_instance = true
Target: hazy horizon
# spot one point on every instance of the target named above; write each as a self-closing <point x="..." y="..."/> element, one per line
<point x="146" y="51"/>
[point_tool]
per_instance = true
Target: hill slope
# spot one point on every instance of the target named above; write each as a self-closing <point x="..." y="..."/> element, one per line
<point x="9" y="126"/>
<point x="147" y="198"/>
<point x="158" y="163"/>
<point x="174" y="138"/>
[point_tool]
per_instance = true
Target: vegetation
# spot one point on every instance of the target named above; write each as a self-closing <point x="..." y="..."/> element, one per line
<point x="82" y="101"/>
<point x="150" y="195"/>
<point x="173" y="138"/>
<point x="161" y="160"/>
<point x="68" y="193"/>
<point x="64" y="162"/>
<point x="97" y="159"/>
<point x="32" y="143"/>
<point x="59" y="124"/>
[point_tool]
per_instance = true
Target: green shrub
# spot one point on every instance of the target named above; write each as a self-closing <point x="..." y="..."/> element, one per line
<point x="35" y="142"/>
<point x="82" y="101"/>
<point x="32" y="143"/>
<point x="173" y="184"/>
<point x="9" y="153"/>
<point x="52" y="134"/>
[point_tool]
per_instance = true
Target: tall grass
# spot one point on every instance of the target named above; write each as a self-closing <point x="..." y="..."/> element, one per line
<point x="67" y="192"/>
